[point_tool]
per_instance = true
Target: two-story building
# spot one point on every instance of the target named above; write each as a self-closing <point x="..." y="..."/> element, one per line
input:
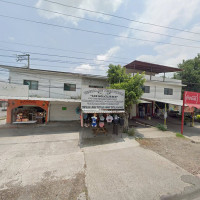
<point x="158" y="90"/>
<point x="56" y="96"/>
<point x="52" y="95"/>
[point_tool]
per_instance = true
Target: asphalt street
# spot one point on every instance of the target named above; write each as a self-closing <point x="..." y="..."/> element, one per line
<point x="48" y="163"/>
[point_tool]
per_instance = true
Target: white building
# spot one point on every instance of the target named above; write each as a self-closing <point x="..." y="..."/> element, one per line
<point x="157" y="89"/>
<point x="61" y="89"/>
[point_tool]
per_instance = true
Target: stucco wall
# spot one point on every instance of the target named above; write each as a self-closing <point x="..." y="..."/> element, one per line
<point x="52" y="85"/>
<point x="13" y="90"/>
<point x="57" y="114"/>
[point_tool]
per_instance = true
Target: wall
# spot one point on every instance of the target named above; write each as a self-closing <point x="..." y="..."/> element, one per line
<point x="52" y="85"/>
<point x="133" y="111"/>
<point x="96" y="82"/>
<point x="57" y="114"/>
<point x="157" y="90"/>
<point x="13" y="90"/>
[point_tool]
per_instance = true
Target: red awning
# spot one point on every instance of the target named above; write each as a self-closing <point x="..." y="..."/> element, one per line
<point x="193" y="105"/>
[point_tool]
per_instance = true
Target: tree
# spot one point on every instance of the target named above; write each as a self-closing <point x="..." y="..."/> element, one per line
<point x="190" y="75"/>
<point x="116" y="74"/>
<point x="133" y="90"/>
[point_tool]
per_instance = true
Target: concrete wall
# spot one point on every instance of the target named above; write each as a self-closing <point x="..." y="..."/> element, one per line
<point x="13" y="90"/>
<point x="157" y="90"/>
<point x="52" y="85"/>
<point x="57" y="114"/>
<point x="133" y="111"/>
<point x="96" y="82"/>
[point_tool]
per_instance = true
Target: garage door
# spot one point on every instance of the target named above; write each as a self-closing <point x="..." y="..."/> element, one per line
<point x="64" y="111"/>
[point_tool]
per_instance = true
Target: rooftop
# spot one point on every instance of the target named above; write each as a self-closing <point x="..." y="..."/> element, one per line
<point x="26" y="70"/>
<point x="150" y="67"/>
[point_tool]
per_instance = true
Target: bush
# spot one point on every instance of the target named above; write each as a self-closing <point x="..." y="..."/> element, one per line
<point x="198" y="117"/>
<point x="131" y="132"/>
<point x="161" y="127"/>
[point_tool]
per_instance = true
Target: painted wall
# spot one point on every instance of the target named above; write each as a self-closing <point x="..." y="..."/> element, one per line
<point x="56" y="112"/>
<point x="52" y="85"/>
<point x="157" y="90"/>
<point x="16" y="103"/>
<point x="13" y="90"/>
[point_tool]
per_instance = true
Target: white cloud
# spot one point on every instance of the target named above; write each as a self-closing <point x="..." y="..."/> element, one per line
<point x="111" y="52"/>
<point x="101" y="58"/>
<point x="172" y="13"/>
<point x="84" y="68"/>
<point x="108" y="6"/>
<point x="100" y="66"/>
<point x="172" y="55"/>
<point x="11" y="38"/>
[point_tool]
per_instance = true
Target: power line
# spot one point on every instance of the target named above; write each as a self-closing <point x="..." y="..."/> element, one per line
<point x="51" y="48"/>
<point x="97" y="21"/>
<point x="58" y="61"/>
<point x="50" y="66"/>
<point x="61" y="56"/>
<point x="96" y="32"/>
<point x="121" y="17"/>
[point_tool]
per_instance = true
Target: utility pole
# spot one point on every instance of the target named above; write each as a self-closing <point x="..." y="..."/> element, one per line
<point x="24" y="57"/>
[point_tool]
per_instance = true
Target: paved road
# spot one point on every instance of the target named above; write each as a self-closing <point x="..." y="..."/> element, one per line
<point x="47" y="163"/>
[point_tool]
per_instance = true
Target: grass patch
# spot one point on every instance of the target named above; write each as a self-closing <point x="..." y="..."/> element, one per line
<point x="161" y="127"/>
<point x="180" y="135"/>
<point x="131" y="132"/>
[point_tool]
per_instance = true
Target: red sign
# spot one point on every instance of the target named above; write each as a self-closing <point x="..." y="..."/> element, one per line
<point x="192" y="98"/>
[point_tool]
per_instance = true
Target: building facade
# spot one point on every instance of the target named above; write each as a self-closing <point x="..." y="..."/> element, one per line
<point x="158" y="90"/>
<point x="60" y="90"/>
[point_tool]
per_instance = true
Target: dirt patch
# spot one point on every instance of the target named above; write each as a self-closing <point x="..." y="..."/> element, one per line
<point x="181" y="151"/>
<point x="48" y="189"/>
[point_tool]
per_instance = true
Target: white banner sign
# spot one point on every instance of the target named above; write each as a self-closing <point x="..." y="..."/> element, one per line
<point x="93" y="98"/>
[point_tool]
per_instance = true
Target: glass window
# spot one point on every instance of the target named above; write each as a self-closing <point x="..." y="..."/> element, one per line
<point x="33" y="85"/>
<point x="95" y="86"/>
<point x="69" y="87"/>
<point x="168" y="91"/>
<point x="146" y="89"/>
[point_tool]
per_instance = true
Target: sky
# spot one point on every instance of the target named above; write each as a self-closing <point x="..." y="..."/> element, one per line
<point x="73" y="40"/>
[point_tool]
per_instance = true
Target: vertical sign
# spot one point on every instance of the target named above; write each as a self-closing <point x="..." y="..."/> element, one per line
<point x="191" y="99"/>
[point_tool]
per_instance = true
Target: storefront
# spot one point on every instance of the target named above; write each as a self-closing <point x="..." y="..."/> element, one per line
<point x="27" y="111"/>
<point x="102" y="110"/>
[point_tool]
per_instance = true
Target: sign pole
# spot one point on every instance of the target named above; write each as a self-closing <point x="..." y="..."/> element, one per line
<point x="183" y="108"/>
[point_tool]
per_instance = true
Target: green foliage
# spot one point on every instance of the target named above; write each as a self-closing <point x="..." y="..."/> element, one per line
<point x="133" y="89"/>
<point x="161" y="127"/>
<point x="117" y="74"/>
<point x="179" y="135"/>
<point x="190" y="74"/>
<point x="131" y="132"/>
<point x="198" y="117"/>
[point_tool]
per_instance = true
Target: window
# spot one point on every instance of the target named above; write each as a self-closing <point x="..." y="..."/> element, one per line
<point x="33" y="85"/>
<point x="146" y="89"/>
<point x="69" y="87"/>
<point x="168" y="91"/>
<point x="95" y="86"/>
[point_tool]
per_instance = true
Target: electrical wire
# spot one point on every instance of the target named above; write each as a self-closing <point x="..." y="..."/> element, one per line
<point x="121" y="17"/>
<point x="96" y="32"/>
<point x="60" y="56"/>
<point x="101" y="22"/>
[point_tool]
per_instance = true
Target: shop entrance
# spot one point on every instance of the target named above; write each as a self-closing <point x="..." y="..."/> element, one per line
<point x="144" y="110"/>
<point x="28" y="114"/>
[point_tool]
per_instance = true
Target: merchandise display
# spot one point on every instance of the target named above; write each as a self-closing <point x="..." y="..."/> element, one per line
<point x="99" y="122"/>
<point x="109" y="119"/>
<point x="28" y="115"/>
<point x="94" y="121"/>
